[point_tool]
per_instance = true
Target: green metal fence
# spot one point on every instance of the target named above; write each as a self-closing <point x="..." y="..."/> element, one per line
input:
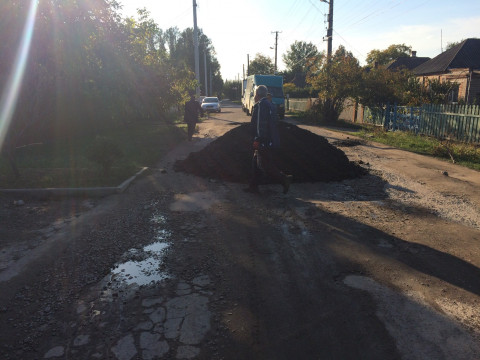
<point x="459" y="122"/>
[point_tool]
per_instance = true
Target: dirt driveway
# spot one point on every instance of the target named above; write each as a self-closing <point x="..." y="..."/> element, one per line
<point x="180" y="267"/>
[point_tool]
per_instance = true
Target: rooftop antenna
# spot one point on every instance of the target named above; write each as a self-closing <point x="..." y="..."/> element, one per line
<point x="441" y="41"/>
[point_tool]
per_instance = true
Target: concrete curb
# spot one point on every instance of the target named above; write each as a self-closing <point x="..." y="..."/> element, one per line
<point x="74" y="192"/>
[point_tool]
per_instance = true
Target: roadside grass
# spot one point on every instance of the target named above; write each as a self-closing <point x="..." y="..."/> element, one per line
<point x="340" y="125"/>
<point x="464" y="154"/>
<point x="467" y="155"/>
<point x="65" y="164"/>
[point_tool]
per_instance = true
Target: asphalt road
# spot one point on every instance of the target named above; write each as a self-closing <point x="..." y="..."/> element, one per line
<point x="181" y="267"/>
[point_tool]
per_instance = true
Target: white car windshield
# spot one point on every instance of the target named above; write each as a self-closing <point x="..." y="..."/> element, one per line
<point x="210" y="100"/>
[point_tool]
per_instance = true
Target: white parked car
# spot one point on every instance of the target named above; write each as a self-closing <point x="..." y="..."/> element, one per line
<point x="211" y="104"/>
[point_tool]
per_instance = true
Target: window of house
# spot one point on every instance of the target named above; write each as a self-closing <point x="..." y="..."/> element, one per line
<point x="453" y="96"/>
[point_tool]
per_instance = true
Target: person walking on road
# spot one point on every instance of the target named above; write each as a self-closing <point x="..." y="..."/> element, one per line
<point x="192" y="113"/>
<point x="265" y="140"/>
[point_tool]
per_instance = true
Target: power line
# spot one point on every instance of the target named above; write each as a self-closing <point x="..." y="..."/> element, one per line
<point x="350" y="45"/>
<point x="290" y="14"/>
<point x="315" y="6"/>
<point x="375" y="13"/>
<point x="342" y="5"/>
<point x="352" y="13"/>
<point x="301" y="22"/>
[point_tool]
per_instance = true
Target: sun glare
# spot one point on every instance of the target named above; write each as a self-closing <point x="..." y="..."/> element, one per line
<point x="10" y="92"/>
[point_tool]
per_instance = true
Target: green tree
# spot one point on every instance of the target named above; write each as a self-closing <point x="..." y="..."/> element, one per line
<point x="261" y="65"/>
<point x="232" y="89"/>
<point x="181" y="50"/>
<point x="58" y="91"/>
<point x="452" y="44"/>
<point x="334" y="81"/>
<point x="383" y="57"/>
<point x="88" y="70"/>
<point x="381" y="86"/>
<point x="299" y="58"/>
<point x="437" y="92"/>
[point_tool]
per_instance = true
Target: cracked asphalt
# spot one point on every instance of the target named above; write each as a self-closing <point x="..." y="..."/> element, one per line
<point x="180" y="267"/>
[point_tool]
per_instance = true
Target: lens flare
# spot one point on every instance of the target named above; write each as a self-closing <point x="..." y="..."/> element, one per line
<point x="10" y="93"/>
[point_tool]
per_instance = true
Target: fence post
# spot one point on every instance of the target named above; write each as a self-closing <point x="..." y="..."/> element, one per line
<point x="395" y="117"/>
<point x="413" y="121"/>
<point x="387" y="117"/>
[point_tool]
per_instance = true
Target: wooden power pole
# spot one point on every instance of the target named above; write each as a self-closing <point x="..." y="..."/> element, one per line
<point x="330" y="28"/>
<point x="195" y="45"/>
<point x="276" y="45"/>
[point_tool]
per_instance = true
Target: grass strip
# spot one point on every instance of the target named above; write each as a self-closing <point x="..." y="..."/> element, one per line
<point x="464" y="154"/>
<point x="65" y="163"/>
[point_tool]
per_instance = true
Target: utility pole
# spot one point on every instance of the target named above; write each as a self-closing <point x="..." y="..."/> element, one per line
<point x="330" y="28"/>
<point x="248" y="65"/>
<point x="328" y="108"/>
<point x="205" y="61"/>
<point x="276" y="44"/>
<point x="195" y="46"/>
<point x="211" y="82"/>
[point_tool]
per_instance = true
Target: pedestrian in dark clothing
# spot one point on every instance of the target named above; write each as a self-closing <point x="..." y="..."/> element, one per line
<point x="265" y="140"/>
<point x="273" y="124"/>
<point x="192" y="112"/>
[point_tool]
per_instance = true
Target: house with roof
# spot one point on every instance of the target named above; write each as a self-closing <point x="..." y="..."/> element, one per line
<point x="459" y="64"/>
<point x="406" y="62"/>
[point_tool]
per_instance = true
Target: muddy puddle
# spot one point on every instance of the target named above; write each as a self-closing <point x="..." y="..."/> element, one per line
<point x="141" y="266"/>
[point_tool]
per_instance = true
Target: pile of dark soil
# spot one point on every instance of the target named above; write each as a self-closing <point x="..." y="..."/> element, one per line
<point x="306" y="156"/>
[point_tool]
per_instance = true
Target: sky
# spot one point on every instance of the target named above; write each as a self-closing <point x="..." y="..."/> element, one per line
<point x="241" y="29"/>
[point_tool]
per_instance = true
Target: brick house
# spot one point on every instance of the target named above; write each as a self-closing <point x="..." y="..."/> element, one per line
<point x="461" y="65"/>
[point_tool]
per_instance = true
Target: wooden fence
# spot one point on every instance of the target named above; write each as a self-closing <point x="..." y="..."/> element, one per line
<point x="458" y="122"/>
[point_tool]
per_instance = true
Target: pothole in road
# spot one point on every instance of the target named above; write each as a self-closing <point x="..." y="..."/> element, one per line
<point x="142" y="272"/>
<point x="144" y="266"/>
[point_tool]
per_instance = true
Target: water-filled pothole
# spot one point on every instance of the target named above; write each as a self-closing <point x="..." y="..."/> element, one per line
<point x="143" y="272"/>
<point x="144" y="266"/>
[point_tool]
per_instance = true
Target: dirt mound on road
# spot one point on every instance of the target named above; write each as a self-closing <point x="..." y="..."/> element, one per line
<point x="308" y="157"/>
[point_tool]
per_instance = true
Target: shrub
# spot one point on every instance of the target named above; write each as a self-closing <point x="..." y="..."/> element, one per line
<point x="104" y="152"/>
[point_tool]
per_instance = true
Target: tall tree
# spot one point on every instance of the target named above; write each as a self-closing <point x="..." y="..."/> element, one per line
<point x="381" y="86"/>
<point x="261" y="64"/>
<point x="383" y="57"/>
<point x="90" y="70"/>
<point x="300" y="57"/>
<point x="172" y="36"/>
<point x="87" y="70"/>
<point x="335" y="81"/>
<point x="181" y="51"/>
